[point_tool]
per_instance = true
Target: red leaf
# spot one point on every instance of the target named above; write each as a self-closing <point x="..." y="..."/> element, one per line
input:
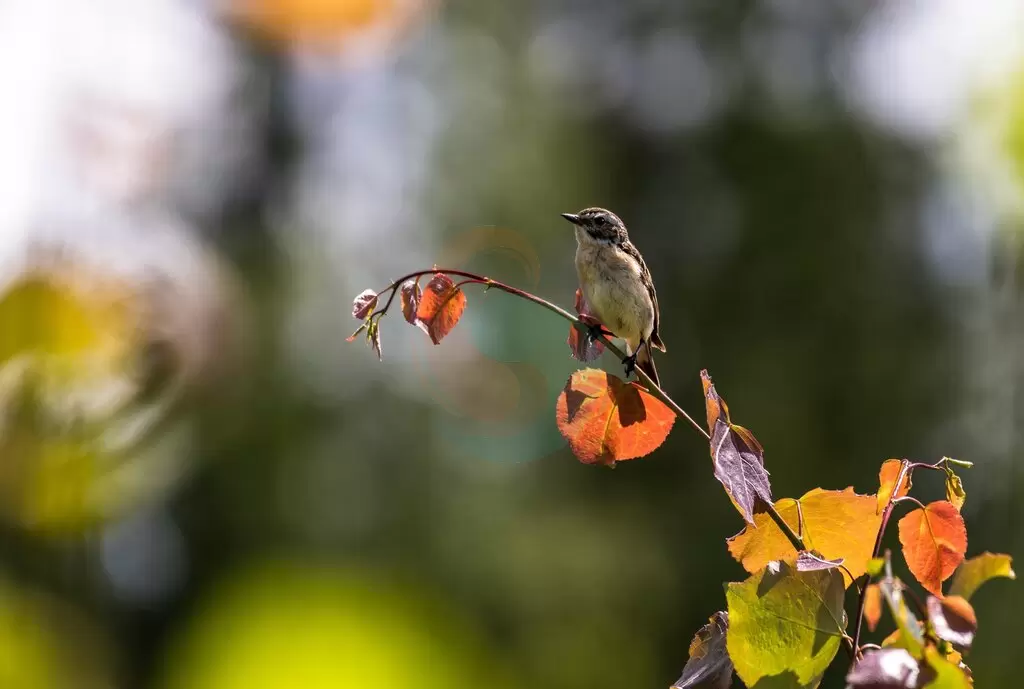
<point x="607" y="420"/>
<point x="440" y="307"/>
<point x="581" y="345"/>
<point x="953" y="619"/>
<point x="409" y="293"/>
<point x="737" y="455"/>
<point x="887" y="477"/>
<point x="934" y="542"/>
<point x="364" y="304"/>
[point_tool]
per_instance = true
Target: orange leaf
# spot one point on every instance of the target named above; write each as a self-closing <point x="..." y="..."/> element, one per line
<point x="441" y="306"/>
<point x="837" y="524"/>
<point x="607" y="420"/>
<point x="872" y="606"/>
<point x="737" y="456"/>
<point x="934" y="542"/>
<point x="887" y="477"/>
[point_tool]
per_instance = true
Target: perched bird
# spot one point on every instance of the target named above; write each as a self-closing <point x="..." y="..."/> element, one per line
<point x="617" y="287"/>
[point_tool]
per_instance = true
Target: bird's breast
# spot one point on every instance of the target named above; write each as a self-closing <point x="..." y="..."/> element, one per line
<point x="614" y="291"/>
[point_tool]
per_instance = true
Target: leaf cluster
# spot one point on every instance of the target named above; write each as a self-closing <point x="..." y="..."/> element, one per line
<point x="806" y="557"/>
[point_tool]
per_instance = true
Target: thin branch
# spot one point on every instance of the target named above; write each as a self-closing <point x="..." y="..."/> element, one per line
<point x="585" y="330"/>
<point x="577" y="323"/>
<point x="943" y="464"/>
<point x="905" y="470"/>
<point x="912" y="500"/>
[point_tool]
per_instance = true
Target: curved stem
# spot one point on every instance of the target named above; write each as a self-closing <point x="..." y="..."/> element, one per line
<point x="911" y="500"/>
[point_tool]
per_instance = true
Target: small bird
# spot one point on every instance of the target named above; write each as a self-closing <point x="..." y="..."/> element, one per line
<point x="617" y="287"/>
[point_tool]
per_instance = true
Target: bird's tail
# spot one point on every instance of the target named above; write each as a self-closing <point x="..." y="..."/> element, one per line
<point x="645" y="363"/>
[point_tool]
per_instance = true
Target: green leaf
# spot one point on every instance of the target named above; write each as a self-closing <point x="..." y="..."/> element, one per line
<point x="947" y="675"/>
<point x="910" y="635"/>
<point x="955" y="492"/>
<point x="785" y="625"/>
<point x="976" y="571"/>
<point x="875" y="566"/>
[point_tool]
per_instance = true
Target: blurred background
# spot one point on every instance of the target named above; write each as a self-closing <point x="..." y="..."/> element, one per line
<point x="203" y="486"/>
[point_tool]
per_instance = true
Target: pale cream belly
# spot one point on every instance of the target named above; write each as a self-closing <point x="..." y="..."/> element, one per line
<point x="615" y="294"/>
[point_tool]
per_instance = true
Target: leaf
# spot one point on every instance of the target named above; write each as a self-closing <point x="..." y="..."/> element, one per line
<point x="737" y="455"/>
<point x="581" y="345"/>
<point x="976" y="571"/>
<point x="908" y="634"/>
<point x="440" y="307"/>
<point x="887" y="477"/>
<point x="953" y="619"/>
<point x="709" y="666"/>
<point x="364" y="304"/>
<point x="934" y="541"/>
<point x="785" y="624"/>
<point x="409" y="295"/>
<point x="888" y="668"/>
<point x="607" y="420"/>
<point x="352" y="337"/>
<point x="807" y="561"/>
<point x="955" y="492"/>
<point x="947" y="675"/>
<point x="837" y="524"/>
<point x="872" y="606"/>
<point x="373" y="337"/>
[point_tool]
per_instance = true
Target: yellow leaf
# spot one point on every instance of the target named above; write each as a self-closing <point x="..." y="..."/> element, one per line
<point x="837" y="524"/>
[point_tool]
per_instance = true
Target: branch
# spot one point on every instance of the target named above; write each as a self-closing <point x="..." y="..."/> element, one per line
<point x="576" y="322"/>
<point x="905" y="469"/>
<point x="584" y="329"/>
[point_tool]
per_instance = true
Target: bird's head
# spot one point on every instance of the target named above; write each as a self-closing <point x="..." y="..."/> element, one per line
<point x="597" y="225"/>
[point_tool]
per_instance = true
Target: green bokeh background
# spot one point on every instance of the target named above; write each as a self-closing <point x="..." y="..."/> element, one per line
<point x="791" y="254"/>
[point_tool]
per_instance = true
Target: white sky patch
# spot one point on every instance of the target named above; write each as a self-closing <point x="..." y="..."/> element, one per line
<point x="916" y="65"/>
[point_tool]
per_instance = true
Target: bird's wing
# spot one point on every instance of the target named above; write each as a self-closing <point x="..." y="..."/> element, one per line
<point x="645" y="274"/>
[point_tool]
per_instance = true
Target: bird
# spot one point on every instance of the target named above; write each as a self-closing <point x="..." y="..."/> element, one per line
<point x="617" y="286"/>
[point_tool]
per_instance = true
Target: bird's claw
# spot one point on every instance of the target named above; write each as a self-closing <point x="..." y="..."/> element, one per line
<point x="630" y="363"/>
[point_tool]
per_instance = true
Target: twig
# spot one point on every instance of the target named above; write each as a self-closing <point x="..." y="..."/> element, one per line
<point x="905" y="470"/>
<point x="584" y="329"/>
<point x="911" y="500"/>
<point x="577" y="323"/>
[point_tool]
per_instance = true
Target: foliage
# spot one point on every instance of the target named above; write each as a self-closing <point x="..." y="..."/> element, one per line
<point x="785" y="623"/>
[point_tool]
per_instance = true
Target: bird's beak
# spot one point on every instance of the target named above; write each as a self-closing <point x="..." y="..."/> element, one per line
<point x="572" y="217"/>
